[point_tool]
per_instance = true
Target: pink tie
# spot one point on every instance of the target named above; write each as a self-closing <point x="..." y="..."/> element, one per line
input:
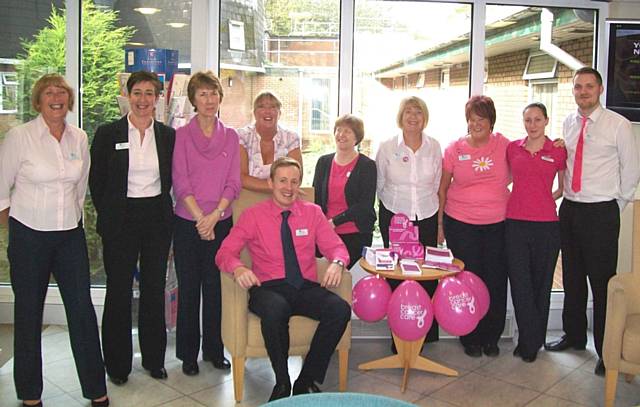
<point x="576" y="182"/>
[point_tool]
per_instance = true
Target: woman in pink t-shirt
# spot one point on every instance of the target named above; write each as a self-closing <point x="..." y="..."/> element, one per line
<point x="532" y="228"/>
<point x="473" y="199"/>
<point x="345" y="187"/>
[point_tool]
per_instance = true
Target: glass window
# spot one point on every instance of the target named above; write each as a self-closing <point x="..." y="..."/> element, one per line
<point x="426" y="53"/>
<point x="525" y="44"/>
<point x="120" y="37"/>
<point x="33" y="43"/>
<point x="289" y="47"/>
<point x="321" y="114"/>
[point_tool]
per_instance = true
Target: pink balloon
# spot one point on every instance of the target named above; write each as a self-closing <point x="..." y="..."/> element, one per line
<point x="455" y="307"/>
<point x="370" y="298"/>
<point x="410" y="313"/>
<point x="479" y="289"/>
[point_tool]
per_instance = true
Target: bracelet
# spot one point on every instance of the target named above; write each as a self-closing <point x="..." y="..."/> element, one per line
<point x="220" y="210"/>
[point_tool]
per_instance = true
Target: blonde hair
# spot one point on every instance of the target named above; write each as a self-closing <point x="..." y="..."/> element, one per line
<point x="266" y="94"/>
<point x="413" y="101"/>
<point x="50" y="79"/>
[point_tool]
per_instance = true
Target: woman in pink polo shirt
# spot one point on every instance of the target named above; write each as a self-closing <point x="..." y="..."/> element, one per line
<point x="532" y="228"/>
<point x="473" y="201"/>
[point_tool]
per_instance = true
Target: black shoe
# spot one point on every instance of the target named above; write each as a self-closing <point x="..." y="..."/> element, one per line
<point x="280" y="391"/>
<point x="190" y="368"/>
<point x="304" y="387"/>
<point x="475" y="351"/>
<point x="33" y="405"/>
<point x="160" y="373"/>
<point x="222" y="363"/>
<point x="600" y="369"/>
<point x="529" y="358"/>
<point x="103" y="403"/>
<point x="516" y="351"/>
<point x="563" y="343"/>
<point x="491" y="350"/>
<point x="118" y="381"/>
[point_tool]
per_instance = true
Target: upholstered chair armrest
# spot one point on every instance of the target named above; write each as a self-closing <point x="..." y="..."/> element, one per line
<point x="235" y="315"/>
<point x="615" y="321"/>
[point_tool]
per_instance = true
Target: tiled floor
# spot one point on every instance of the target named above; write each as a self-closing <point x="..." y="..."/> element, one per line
<point x="555" y="379"/>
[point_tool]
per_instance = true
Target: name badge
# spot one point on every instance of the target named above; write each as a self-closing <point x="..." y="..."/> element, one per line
<point x="302" y="232"/>
<point x="464" y="157"/>
<point x="122" y="146"/>
<point x="547" y="158"/>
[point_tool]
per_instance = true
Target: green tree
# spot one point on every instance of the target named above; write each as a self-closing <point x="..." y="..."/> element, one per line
<point x="103" y="45"/>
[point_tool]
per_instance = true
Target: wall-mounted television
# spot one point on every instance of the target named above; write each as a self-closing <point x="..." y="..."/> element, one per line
<point x="623" y="71"/>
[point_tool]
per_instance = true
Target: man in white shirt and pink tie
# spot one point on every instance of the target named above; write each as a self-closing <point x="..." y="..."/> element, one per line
<point x="601" y="178"/>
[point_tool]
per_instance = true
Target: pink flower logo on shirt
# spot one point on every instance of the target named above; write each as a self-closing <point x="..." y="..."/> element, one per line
<point x="482" y="164"/>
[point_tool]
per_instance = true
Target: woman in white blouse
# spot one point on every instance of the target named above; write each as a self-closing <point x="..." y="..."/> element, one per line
<point x="409" y="169"/>
<point x="44" y="165"/>
<point x="264" y="142"/>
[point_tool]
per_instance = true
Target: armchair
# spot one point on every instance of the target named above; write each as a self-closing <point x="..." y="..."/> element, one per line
<point x="241" y="332"/>
<point x="621" y="347"/>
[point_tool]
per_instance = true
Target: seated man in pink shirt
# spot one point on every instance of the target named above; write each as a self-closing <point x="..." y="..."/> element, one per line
<point x="281" y="235"/>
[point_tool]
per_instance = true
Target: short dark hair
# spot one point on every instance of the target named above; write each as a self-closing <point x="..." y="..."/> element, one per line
<point x="587" y="70"/>
<point x="284" y="162"/>
<point x="144" y="76"/>
<point x="482" y="106"/>
<point x="538" y="105"/>
<point x="200" y="80"/>
<point x="354" y="123"/>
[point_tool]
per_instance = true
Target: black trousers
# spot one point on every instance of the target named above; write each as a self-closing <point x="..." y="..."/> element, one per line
<point x="589" y="241"/>
<point x="355" y="242"/>
<point x="428" y="235"/>
<point x="481" y="247"/>
<point x="276" y="303"/>
<point x="146" y="237"/>
<point x="198" y="274"/>
<point x="532" y="252"/>
<point x="33" y="257"/>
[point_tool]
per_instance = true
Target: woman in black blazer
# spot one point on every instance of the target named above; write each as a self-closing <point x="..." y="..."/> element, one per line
<point x="130" y="181"/>
<point x="345" y="187"/>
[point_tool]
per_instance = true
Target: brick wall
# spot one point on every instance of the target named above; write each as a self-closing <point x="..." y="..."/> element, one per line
<point x="504" y="85"/>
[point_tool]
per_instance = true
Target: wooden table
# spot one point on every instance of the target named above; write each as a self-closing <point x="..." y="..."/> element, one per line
<point x="408" y="356"/>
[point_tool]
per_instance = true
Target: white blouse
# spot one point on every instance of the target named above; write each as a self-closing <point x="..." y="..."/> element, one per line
<point x="43" y="181"/>
<point x="144" y="167"/>
<point x="284" y="141"/>
<point x="408" y="182"/>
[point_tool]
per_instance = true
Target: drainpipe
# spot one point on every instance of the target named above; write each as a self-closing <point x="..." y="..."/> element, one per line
<point x="546" y="28"/>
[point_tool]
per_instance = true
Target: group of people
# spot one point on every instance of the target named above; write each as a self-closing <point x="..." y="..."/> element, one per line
<point x="136" y="164"/>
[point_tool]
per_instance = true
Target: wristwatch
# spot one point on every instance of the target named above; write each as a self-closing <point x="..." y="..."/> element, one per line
<point x="221" y="211"/>
<point x="339" y="263"/>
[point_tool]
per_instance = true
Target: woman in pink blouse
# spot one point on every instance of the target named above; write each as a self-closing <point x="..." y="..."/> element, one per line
<point x="473" y="201"/>
<point x="206" y="179"/>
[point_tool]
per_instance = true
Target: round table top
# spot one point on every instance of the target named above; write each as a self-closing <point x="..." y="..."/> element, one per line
<point x="428" y="273"/>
